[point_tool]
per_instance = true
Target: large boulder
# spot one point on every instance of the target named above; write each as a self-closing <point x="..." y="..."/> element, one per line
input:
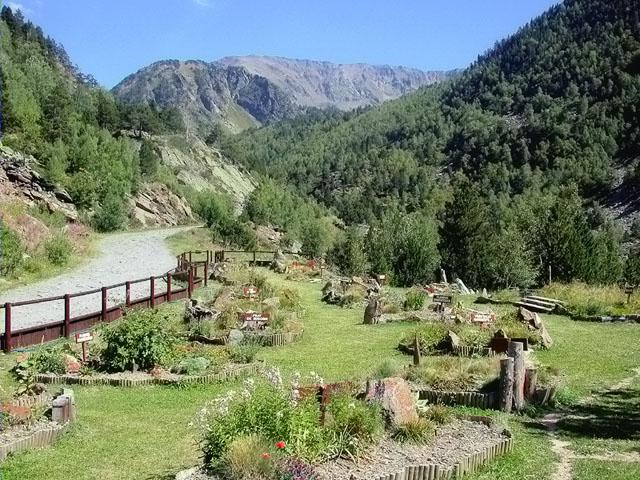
<point x="332" y="292"/>
<point x="279" y="263"/>
<point x="395" y="397"/>
<point x="236" y="337"/>
<point x="72" y="364"/>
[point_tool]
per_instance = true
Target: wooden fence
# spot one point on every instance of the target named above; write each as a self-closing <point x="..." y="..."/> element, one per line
<point x="190" y="271"/>
<point x="253" y="257"/>
<point x="467" y="399"/>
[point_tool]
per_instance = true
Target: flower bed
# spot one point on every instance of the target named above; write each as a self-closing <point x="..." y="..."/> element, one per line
<point x="267" y="431"/>
<point x="31" y="421"/>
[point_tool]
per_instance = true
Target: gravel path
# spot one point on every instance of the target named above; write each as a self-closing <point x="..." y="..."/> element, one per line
<point x="122" y="257"/>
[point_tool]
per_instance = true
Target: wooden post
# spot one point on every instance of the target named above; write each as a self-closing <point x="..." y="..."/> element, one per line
<point x="505" y="401"/>
<point x="530" y="380"/>
<point x="152" y="292"/>
<point x="104" y="304"/>
<point x="254" y="258"/>
<point x="516" y="351"/>
<point x="127" y="293"/>
<point x="189" y="257"/>
<point x="169" y="287"/>
<point x="207" y="256"/>
<point x="416" y="351"/>
<point x="190" y="282"/>
<point x="67" y="315"/>
<point x="7" y="327"/>
<point x="206" y="271"/>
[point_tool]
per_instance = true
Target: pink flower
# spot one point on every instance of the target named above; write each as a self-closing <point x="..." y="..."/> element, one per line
<point x="266" y="455"/>
<point x="281" y="445"/>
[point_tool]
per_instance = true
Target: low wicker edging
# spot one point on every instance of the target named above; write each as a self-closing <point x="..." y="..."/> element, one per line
<point x="471" y="351"/>
<point x="136" y="382"/>
<point x="634" y="317"/>
<point x="469" y="464"/>
<point x="40" y="438"/>
<point x="467" y="399"/>
<point x="33" y="401"/>
<point x="271" y="340"/>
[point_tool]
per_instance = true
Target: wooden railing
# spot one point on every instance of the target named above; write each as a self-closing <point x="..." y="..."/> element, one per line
<point x="190" y="272"/>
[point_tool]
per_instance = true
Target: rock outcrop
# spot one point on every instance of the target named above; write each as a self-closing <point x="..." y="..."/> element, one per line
<point x="19" y="179"/>
<point x="156" y="206"/>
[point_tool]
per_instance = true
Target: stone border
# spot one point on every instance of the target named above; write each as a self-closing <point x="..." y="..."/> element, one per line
<point x="467" y="399"/>
<point x="272" y="340"/>
<point x="630" y="318"/>
<point x="469" y="464"/>
<point x="238" y="372"/>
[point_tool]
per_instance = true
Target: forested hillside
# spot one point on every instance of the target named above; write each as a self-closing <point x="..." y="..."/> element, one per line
<point x="501" y="160"/>
<point x="70" y="125"/>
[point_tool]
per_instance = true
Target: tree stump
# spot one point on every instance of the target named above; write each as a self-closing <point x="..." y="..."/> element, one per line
<point x="505" y="400"/>
<point x="530" y="380"/>
<point x="516" y="351"/>
<point x="416" y="351"/>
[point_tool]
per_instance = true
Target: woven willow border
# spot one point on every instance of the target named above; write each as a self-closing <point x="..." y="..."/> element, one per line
<point x="39" y="438"/>
<point x="136" y="382"/>
<point x="468" y="399"/>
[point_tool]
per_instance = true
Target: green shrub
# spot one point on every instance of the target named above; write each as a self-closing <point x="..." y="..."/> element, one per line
<point x="354" y="424"/>
<point x="439" y="414"/>
<point x="245" y="352"/>
<point x="111" y="215"/>
<point x="415" y="300"/>
<point x="419" y="431"/>
<point x="42" y="360"/>
<point x="307" y="439"/>
<point x="58" y="250"/>
<point x="385" y="370"/>
<point x="250" y="458"/>
<point x="11" y="251"/>
<point x="141" y="339"/>
<point x="455" y="373"/>
<point x="191" y="366"/>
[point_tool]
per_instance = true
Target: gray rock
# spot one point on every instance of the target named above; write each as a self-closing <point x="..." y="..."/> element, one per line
<point x="373" y="311"/>
<point x="235" y="337"/>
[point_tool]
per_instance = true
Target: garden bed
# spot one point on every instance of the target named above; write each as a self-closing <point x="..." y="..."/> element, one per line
<point x="135" y="379"/>
<point x="458" y="448"/>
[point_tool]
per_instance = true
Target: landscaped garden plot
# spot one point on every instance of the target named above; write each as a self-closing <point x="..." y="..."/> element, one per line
<point x="154" y="420"/>
<point x="584" y="300"/>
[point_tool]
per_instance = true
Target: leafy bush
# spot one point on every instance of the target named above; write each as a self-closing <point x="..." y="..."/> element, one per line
<point x="354" y="424"/>
<point x="385" y="370"/>
<point x="415" y="300"/>
<point x="191" y="366"/>
<point x="141" y="339"/>
<point x="42" y="360"/>
<point x="455" y="373"/>
<point x="58" y="250"/>
<point x="111" y="215"/>
<point x="307" y="439"/>
<point x="419" y="431"/>
<point x="11" y="251"/>
<point x="245" y="352"/>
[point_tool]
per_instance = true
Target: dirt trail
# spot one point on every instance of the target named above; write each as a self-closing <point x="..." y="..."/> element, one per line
<point x="121" y="257"/>
<point x="564" y="468"/>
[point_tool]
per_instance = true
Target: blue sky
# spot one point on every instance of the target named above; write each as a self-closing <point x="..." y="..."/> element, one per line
<point x="113" y="38"/>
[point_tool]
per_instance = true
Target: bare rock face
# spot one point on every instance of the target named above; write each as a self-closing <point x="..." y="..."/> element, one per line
<point x="32" y="232"/>
<point x="396" y="398"/>
<point x="156" y="205"/>
<point x="18" y="179"/>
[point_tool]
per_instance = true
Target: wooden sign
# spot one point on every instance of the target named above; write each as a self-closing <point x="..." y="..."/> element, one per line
<point x="84" y="337"/>
<point x="250" y="291"/>
<point x="255" y="320"/>
<point x="482" y="317"/>
<point x="628" y="290"/>
<point x="443" y="299"/>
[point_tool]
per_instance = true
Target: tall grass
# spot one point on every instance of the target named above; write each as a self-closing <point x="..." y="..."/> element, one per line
<point x="583" y="299"/>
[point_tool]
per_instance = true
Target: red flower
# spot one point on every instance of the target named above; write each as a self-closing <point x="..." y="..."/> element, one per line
<point x="281" y="445"/>
<point x="266" y="455"/>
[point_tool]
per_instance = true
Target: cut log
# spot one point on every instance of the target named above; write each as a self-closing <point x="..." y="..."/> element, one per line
<point x="506" y="385"/>
<point x="516" y="351"/>
<point x="530" y="380"/>
<point x="416" y="350"/>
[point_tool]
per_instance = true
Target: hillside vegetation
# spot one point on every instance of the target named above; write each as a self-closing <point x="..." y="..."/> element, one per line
<point x="506" y="158"/>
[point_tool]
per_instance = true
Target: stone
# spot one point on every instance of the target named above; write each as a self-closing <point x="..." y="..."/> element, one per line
<point x="463" y="288"/>
<point x="373" y="311"/>
<point x="273" y="302"/>
<point x="453" y="340"/>
<point x="235" y="337"/>
<point x="332" y="292"/>
<point x="72" y="364"/>
<point x="395" y="397"/>
<point x="156" y="205"/>
<point x="279" y="263"/>
<point x="195" y="312"/>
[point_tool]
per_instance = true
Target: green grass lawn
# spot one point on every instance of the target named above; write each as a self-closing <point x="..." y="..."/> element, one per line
<point x="144" y="433"/>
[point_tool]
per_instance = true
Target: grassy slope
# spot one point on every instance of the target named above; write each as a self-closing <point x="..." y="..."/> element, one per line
<point x="143" y="433"/>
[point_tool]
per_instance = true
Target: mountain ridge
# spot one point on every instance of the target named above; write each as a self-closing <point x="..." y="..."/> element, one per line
<point x="251" y="90"/>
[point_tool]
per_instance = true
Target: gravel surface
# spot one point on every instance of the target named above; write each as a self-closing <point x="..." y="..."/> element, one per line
<point x="453" y="442"/>
<point x="18" y="432"/>
<point x="122" y="257"/>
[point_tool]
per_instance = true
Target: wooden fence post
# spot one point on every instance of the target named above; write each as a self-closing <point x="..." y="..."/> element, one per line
<point x="206" y="271"/>
<point x="189" y="257"/>
<point x="152" y="292"/>
<point x="254" y="258"/>
<point x="169" y="287"/>
<point x="104" y="304"/>
<point x="530" y="381"/>
<point x="7" y="327"/>
<point x="67" y="315"/>
<point x="416" y="351"/>
<point x="127" y="293"/>
<point x="505" y="400"/>
<point x="516" y="351"/>
<point x="190" y="282"/>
